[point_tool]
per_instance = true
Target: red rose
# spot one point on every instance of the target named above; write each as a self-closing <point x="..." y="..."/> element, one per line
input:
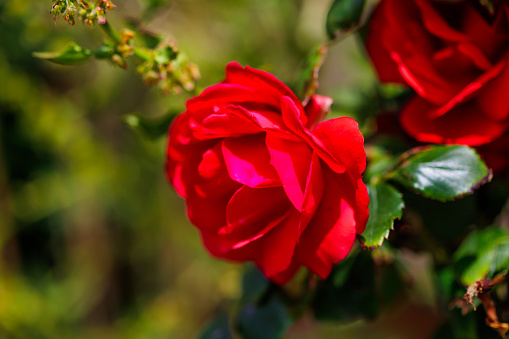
<point x="260" y="183"/>
<point x="455" y="56"/>
<point x="496" y="155"/>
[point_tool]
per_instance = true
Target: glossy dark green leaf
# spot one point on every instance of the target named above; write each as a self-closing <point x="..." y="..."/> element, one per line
<point x="218" y="328"/>
<point x="385" y="205"/>
<point x="151" y="128"/>
<point x="71" y="54"/>
<point x="343" y="16"/>
<point x="267" y="321"/>
<point x="482" y="253"/>
<point x="349" y="291"/>
<point x="442" y="172"/>
<point x="308" y="79"/>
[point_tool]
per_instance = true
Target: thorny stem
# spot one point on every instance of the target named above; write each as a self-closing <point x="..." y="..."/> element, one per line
<point x="481" y="289"/>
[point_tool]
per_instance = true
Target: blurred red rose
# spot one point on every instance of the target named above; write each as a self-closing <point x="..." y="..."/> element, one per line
<point x="496" y="155"/>
<point x="262" y="182"/>
<point x="455" y="55"/>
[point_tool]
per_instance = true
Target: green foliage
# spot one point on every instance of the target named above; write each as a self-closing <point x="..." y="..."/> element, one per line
<point x="150" y="128"/>
<point x="267" y="320"/>
<point x="308" y="77"/>
<point x="343" y="16"/>
<point x="385" y="205"/>
<point x="459" y="326"/>
<point x="254" y="284"/>
<point x="98" y="246"/>
<point x="349" y="292"/>
<point x="162" y="63"/>
<point x="71" y="54"/>
<point x="262" y="313"/>
<point x="442" y="172"/>
<point x="482" y="254"/>
<point x="218" y="328"/>
<point x="88" y="12"/>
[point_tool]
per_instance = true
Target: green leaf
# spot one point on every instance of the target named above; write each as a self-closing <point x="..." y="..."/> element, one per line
<point x="349" y="291"/>
<point x="151" y="128"/>
<point x="267" y="321"/>
<point x="71" y="54"/>
<point x="343" y="16"/>
<point x="308" y="78"/>
<point x="483" y="252"/>
<point x="385" y="205"/>
<point x="218" y="328"/>
<point x="254" y="284"/>
<point x="104" y="52"/>
<point x="442" y="172"/>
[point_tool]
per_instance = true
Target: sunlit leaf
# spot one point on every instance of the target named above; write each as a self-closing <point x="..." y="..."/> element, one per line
<point x="442" y="172"/>
<point x="385" y="205"/>
<point x="71" y="54"/>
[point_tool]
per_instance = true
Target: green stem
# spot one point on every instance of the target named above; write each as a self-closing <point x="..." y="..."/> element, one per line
<point x="112" y="33"/>
<point x="142" y="53"/>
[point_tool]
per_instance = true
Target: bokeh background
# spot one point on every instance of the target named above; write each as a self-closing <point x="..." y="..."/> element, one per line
<point x="93" y="241"/>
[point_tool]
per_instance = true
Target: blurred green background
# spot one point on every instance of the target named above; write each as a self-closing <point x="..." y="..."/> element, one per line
<point x="93" y="241"/>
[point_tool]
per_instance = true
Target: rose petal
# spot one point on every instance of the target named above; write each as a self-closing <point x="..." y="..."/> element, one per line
<point x="224" y="125"/>
<point x="436" y="25"/>
<point x="420" y="74"/>
<point x="316" y="109"/>
<point x="265" y="84"/>
<point x="268" y="121"/>
<point x="491" y="100"/>
<point x="291" y="114"/>
<point x="291" y="161"/>
<point x="279" y="245"/>
<point x="252" y="212"/>
<point x="331" y="233"/>
<point x="489" y="37"/>
<point x="379" y="30"/>
<point x="215" y="181"/>
<point x="248" y="161"/>
<point x="343" y="139"/>
<point x="208" y="214"/>
<point x="283" y="277"/>
<point x="468" y="91"/>
<point x="313" y="193"/>
<point x="215" y="97"/>
<point x="464" y="124"/>
<point x="411" y="47"/>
